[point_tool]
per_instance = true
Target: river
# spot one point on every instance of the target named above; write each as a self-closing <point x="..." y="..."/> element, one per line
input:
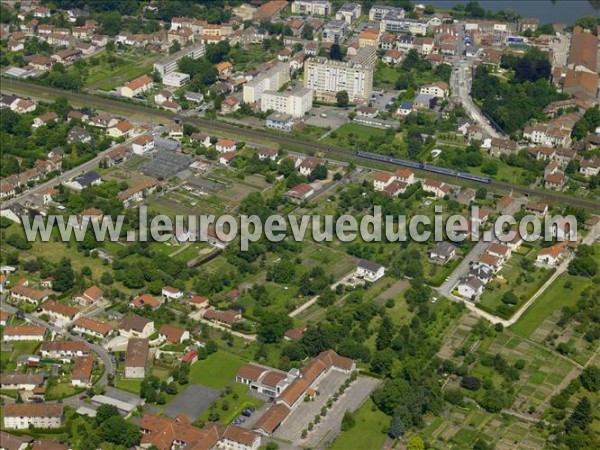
<point x="547" y="11"/>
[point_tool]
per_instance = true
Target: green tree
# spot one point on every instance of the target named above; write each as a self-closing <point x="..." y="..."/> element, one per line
<point x="273" y="326"/>
<point x="105" y="412"/>
<point x="117" y="431"/>
<point x="342" y="99"/>
<point x="348" y="421"/>
<point x="63" y="276"/>
<point x="416" y="443"/>
<point x="590" y="378"/>
<point x="581" y="416"/>
<point x="397" y="428"/>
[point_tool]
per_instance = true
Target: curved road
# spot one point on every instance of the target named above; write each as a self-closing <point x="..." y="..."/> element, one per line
<point x="109" y="104"/>
<point x="109" y="367"/>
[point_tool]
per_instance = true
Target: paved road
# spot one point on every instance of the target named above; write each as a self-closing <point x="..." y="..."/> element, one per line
<point x="460" y="82"/>
<point x="109" y="367"/>
<point x="463" y="268"/>
<point x="221" y="128"/>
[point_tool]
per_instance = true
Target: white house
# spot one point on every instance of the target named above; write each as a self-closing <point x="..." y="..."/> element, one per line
<point x="381" y="180"/>
<point x="142" y="144"/>
<point x="176" y="79"/>
<point x="91" y="327"/>
<point x="369" y="270"/>
<point x="551" y="256"/>
<point x="470" y="287"/>
<point x="171" y="293"/>
<point x="439" y="89"/>
<point x="437" y="188"/>
<point x="136" y="326"/>
<point x="173" y="334"/>
<point x="237" y="438"/>
<point x="21" y="381"/>
<point x="226" y="145"/>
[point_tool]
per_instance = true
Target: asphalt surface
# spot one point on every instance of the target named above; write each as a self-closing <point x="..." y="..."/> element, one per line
<point x="460" y="82"/>
<point x="221" y="128"/>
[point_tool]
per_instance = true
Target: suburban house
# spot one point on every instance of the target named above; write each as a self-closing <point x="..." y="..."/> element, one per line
<point x="198" y="302"/>
<point x="136" y="358"/>
<point x="225" y="145"/>
<point x="22" y="416"/>
<point x="499" y="251"/>
<point x="381" y="180"/>
<point x="493" y="262"/>
<point x="503" y="147"/>
<point x="226" y="158"/>
<point x="294" y="334"/>
<point x="437" y="188"/>
<point x="29" y="294"/>
<point x="117" y="155"/>
<point x="369" y="270"/>
<point x="268" y="153"/>
<point x="439" y="89"/>
<point x="470" y="287"/>
<point x="169" y="292"/>
<point x="137" y="192"/>
<point x="142" y="144"/>
<point x="91" y="295"/>
<point x="228" y="317"/>
<point x="59" y="312"/>
<point x="300" y="193"/>
<point x="173" y="334"/>
<point x="23" y="333"/>
<point x="405" y="175"/>
<point x="137" y="86"/>
<point x="203" y="139"/>
<point x="136" y="326"/>
<point x="81" y="375"/>
<point x="44" y="119"/>
<point x="144" y="300"/>
<point x="551" y="256"/>
<point x="122" y="129"/>
<point x="91" y="327"/>
<point x="442" y="253"/>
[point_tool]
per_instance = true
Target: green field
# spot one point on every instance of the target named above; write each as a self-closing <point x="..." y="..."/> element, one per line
<point x="106" y="76"/>
<point x="368" y="431"/>
<point x="215" y="371"/>
<point x="555" y="297"/>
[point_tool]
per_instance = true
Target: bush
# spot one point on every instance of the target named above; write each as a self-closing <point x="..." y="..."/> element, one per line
<point x="471" y="383"/>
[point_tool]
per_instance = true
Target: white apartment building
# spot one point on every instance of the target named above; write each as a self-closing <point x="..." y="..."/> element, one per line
<point x="326" y="77"/>
<point x="349" y="12"/>
<point x="295" y="102"/>
<point x="312" y="7"/>
<point x="378" y="12"/>
<point x="271" y="80"/>
<point x="169" y="63"/>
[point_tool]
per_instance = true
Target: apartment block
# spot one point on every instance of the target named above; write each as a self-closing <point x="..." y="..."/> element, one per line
<point x="295" y="102"/>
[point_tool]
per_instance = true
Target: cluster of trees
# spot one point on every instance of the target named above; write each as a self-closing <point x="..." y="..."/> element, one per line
<point x="587" y="124"/>
<point x="155" y="391"/>
<point x="532" y="66"/>
<point x="584" y="263"/>
<point x="512" y="104"/>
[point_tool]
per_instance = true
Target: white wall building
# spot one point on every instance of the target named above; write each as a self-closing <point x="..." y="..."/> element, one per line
<point x="176" y="79"/>
<point x="296" y="102"/>
<point x="271" y="80"/>
<point x="312" y="7"/>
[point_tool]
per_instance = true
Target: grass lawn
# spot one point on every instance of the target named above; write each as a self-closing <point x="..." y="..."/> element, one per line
<point x="105" y="76"/>
<point x="216" y="371"/>
<point x="19" y="348"/>
<point x="367" y="433"/>
<point x="357" y="130"/>
<point x="555" y="297"/>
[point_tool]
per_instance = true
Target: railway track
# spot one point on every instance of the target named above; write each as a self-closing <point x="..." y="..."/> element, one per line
<point x="110" y="104"/>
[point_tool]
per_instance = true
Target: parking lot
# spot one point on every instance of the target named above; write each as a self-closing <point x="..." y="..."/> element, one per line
<point x="192" y="402"/>
<point x="330" y="425"/>
<point x="306" y="412"/>
<point x="335" y="117"/>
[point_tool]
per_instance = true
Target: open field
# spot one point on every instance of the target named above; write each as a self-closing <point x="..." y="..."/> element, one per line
<point x="216" y="371"/>
<point x="368" y="431"/>
<point x="106" y="76"/>
<point x="554" y="298"/>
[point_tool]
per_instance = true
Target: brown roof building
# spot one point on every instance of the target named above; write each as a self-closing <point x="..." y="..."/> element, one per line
<point x="583" y="51"/>
<point x="136" y="358"/>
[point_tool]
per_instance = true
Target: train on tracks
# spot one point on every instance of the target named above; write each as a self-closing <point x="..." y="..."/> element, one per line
<point x="423" y="166"/>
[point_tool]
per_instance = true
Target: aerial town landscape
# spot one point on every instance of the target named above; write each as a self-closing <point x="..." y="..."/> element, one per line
<point x="145" y="110"/>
